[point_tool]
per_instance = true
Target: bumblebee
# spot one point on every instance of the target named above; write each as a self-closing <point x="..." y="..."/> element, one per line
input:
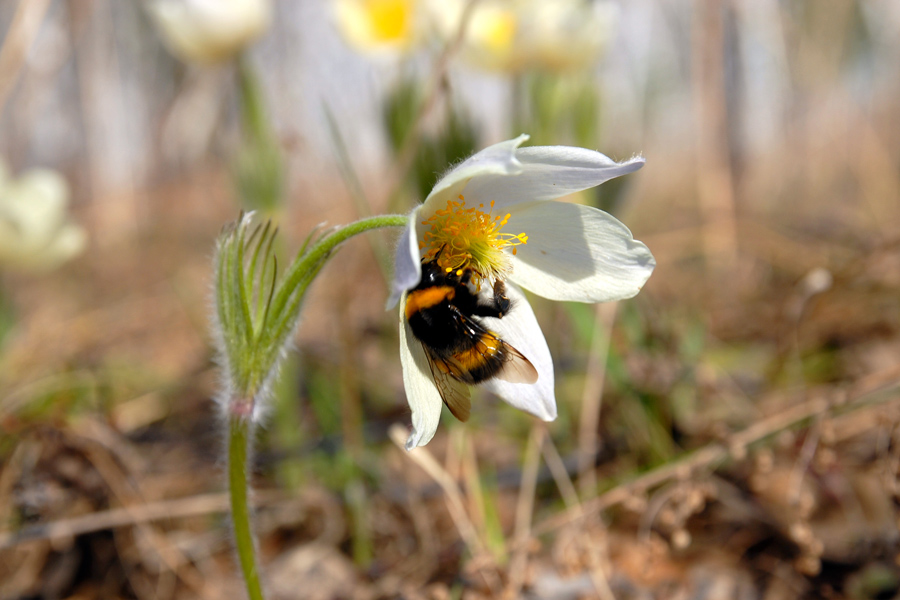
<point x="442" y="312"/>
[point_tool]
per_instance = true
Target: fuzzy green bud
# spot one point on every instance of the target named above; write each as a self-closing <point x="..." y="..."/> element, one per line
<point x="255" y="314"/>
<point x="257" y="309"/>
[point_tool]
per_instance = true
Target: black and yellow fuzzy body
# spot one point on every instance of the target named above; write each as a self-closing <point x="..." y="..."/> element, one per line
<point x="442" y="312"/>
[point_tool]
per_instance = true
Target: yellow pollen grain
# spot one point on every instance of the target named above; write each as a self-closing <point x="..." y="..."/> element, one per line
<point x="460" y="238"/>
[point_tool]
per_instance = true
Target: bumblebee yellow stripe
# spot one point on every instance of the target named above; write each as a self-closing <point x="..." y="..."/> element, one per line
<point x="424" y="299"/>
<point x="482" y="352"/>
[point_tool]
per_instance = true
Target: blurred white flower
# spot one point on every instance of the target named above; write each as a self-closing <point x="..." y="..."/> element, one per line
<point x="515" y="35"/>
<point x="34" y="229"/>
<point x="209" y="31"/>
<point x="381" y="27"/>
<point x="557" y="250"/>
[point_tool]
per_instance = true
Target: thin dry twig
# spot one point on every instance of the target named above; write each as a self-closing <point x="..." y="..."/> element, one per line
<point x="203" y="504"/>
<point x="560" y="474"/>
<point x="807" y="453"/>
<point x="656" y="504"/>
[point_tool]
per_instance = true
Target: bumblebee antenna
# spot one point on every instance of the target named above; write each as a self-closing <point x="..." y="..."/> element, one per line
<point x="440" y="251"/>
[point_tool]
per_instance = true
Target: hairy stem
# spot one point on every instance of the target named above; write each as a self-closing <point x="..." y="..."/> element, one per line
<point x="299" y="269"/>
<point x="239" y="434"/>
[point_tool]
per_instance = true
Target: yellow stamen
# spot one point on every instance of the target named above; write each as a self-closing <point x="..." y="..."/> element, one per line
<point x="461" y="238"/>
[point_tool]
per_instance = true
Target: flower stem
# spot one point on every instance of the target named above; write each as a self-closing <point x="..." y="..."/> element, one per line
<point x="301" y="269"/>
<point x="239" y="433"/>
<point x="254" y="349"/>
<point x="329" y="242"/>
<point x="258" y="167"/>
<point x="253" y="112"/>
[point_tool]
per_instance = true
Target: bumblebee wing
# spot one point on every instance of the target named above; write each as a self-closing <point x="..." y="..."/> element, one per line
<point x="454" y="393"/>
<point x="516" y="368"/>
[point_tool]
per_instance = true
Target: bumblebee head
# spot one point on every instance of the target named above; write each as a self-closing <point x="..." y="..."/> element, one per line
<point x="432" y="274"/>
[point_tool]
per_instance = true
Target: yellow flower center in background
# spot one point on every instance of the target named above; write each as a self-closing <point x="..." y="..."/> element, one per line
<point x="496" y="30"/>
<point x="390" y="19"/>
<point x="461" y="238"/>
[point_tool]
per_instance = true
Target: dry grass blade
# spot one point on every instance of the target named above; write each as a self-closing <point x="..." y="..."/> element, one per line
<point x="179" y="508"/>
<point x="455" y="502"/>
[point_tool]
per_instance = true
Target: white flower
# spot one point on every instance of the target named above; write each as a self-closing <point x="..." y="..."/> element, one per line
<point x="34" y="231"/>
<point x="569" y="34"/>
<point x="514" y="35"/>
<point x="557" y="250"/>
<point x="209" y="31"/>
<point x="381" y="27"/>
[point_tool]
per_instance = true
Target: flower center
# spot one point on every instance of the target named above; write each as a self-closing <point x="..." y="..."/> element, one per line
<point x="389" y="19"/>
<point x="496" y="29"/>
<point x="461" y="238"/>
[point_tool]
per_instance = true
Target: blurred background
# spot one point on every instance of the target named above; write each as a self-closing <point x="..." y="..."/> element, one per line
<point x="731" y="432"/>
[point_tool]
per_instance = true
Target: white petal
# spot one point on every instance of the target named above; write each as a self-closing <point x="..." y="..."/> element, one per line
<point x="548" y="172"/>
<point x="520" y="329"/>
<point x="421" y="393"/>
<point x="407" y="265"/>
<point x="209" y="30"/>
<point x="497" y="162"/>
<point x="70" y="241"/>
<point x="36" y="202"/>
<point x="577" y="253"/>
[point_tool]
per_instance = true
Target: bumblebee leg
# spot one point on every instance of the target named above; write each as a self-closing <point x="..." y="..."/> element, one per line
<point x="499" y="305"/>
<point x="501" y="300"/>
